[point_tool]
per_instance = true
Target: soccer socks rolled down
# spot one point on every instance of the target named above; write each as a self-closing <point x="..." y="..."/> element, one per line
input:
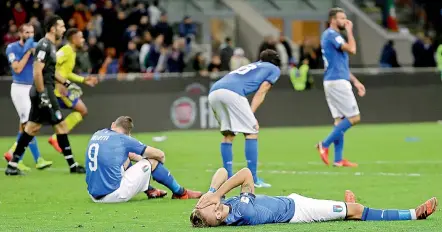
<point x="33" y="146"/>
<point x="388" y="214"/>
<point x="63" y="142"/>
<point x="72" y="120"/>
<point x="22" y="143"/>
<point x="251" y="150"/>
<point x="227" y="154"/>
<point x="163" y="176"/>
<point x="338" y="131"/>
<point x="339" y="148"/>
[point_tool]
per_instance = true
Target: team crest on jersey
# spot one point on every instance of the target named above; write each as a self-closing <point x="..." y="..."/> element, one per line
<point x="183" y="112"/>
<point x="146" y="168"/>
<point x="11" y="57"/>
<point x="337" y="208"/>
<point x="58" y="114"/>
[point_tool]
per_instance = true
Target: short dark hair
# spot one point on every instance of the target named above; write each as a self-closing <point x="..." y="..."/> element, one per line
<point x="52" y="21"/>
<point x="71" y="32"/>
<point x="334" y="11"/>
<point x="21" y="28"/>
<point x="126" y="123"/>
<point x="197" y="220"/>
<point x="271" y="56"/>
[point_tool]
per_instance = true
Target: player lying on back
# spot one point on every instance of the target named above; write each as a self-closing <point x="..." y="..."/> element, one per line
<point x="228" y="100"/>
<point x="337" y="87"/>
<point x="65" y="66"/>
<point x="108" y="175"/>
<point x="20" y="59"/>
<point x="251" y="209"/>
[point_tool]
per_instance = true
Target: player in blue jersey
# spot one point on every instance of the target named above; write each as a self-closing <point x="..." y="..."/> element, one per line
<point x="337" y="87"/>
<point x="20" y="58"/>
<point x="250" y="209"/>
<point x="110" y="177"/>
<point x="228" y="100"/>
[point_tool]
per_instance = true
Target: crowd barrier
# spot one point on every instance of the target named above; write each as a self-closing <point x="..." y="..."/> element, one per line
<point x="163" y="104"/>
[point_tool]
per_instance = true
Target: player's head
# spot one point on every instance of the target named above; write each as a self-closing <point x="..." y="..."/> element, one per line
<point x="270" y="56"/>
<point x="26" y="31"/>
<point x="55" y="26"/>
<point x="209" y="216"/>
<point x="75" y="37"/>
<point x="337" y="18"/>
<point x="123" y="124"/>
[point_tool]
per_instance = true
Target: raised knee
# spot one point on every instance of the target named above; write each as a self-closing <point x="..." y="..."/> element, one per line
<point x="354" y="211"/>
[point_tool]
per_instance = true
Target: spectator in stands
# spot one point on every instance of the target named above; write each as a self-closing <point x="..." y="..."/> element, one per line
<point x="175" y="60"/>
<point x="429" y="51"/>
<point x="11" y="36"/>
<point x="36" y="10"/>
<point x="163" y="27"/>
<point x="226" y="54"/>
<point x="130" y="34"/>
<point x="38" y="29"/>
<point x="288" y="48"/>
<point x="388" y="56"/>
<point x="423" y="51"/>
<point x="238" y="59"/>
<point x="418" y="50"/>
<point x="215" y="64"/>
<point x="199" y="64"/>
<point x="95" y="54"/>
<point x="110" y="20"/>
<point x="71" y="24"/>
<point x="154" y="13"/>
<point x="187" y="30"/>
<point x="83" y="63"/>
<point x="144" y="26"/>
<point x="268" y="43"/>
<point x="131" y="62"/>
<point x="138" y="12"/>
<point x="94" y="27"/>
<point x="155" y="52"/>
<point x="81" y="16"/>
<point x="19" y="14"/>
<point x="110" y="64"/>
<point x="310" y="50"/>
<point x="162" y="61"/>
<point x="144" y="51"/>
<point x="66" y="10"/>
<point x="124" y="5"/>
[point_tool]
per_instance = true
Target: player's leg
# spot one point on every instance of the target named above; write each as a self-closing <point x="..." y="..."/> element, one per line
<point x="226" y="151"/>
<point x="63" y="141"/>
<point x="163" y="176"/>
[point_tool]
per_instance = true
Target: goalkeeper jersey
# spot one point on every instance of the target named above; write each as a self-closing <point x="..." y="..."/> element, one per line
<point x="66" y="63"/>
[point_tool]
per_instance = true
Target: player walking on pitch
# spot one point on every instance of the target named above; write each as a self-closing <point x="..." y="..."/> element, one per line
<point x="20" y="59"/>
<point x="44" y="105"/>
<point x="228" y="100"/>
<point x="250" y="209"/>
<point x="109" y="177"/>
<point x="337" y="86"/>
<point x="65" y="66"/>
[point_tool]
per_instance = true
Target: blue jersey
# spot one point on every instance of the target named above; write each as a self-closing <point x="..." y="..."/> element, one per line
<point x="15" y="52"/>
<point x="248" y="209"/>
<point x="106" y="153"/>
<point x="335" y="60"/>
<point x="248" y="78"/>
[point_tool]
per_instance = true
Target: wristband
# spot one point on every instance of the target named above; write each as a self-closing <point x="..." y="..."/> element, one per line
<point x="67" y="83"/>
<point x="212" y="190"/>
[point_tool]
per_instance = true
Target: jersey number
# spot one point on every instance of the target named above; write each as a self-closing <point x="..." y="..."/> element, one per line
<point x="92" y="153"/>
<point x="245" y="69"/>
<point x="324" y="59"/>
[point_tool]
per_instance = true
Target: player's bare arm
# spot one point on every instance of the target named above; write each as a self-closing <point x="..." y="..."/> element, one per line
<point x="154" y="153"/>
<point x="38" y="76"/>
<point x="350" y="46"/>
<point x="18" y="66"/>
<point x="242" y="178"/>
<point x="358" y="85"/>
<point x="218" y="179"/>
<point x="260" y="95"/>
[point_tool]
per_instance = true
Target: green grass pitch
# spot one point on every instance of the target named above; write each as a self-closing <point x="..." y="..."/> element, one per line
<point x="394" y="172"/>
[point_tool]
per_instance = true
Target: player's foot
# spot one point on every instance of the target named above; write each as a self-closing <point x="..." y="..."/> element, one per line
<point x="78" y="169"/>
<point x="323" y="152"/>
<point x="22" y="167"/>
<point x="42" y="164"/>
<point x="345" y="163"/>
<point x="8" y="156"/>
<point x="54" y="144"/>
<point x="10" y="171"/>
<point x="349" y="197"/>
<point x="155" y="193"/>
<point x="426" y="209"/>
<point x="261" y="184"/>
<point x="188" y="194"/>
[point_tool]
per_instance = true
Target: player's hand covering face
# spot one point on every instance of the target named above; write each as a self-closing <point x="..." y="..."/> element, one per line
<point x="207" y="200"/>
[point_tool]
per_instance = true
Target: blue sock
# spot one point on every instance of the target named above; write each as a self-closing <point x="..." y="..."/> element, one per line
<point x="338" y="131"/>
<point x="33" y="146"/>
<point x="163" y="176"/>
<point x="226" y="153"/>
<point x="339" y="147"/>
<point x="251" y="150"/>
<point x="387" y="215"/>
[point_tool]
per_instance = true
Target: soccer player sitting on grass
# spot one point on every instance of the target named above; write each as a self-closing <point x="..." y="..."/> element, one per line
<point x="110" y="177"/>
<point x="249" y="209"/>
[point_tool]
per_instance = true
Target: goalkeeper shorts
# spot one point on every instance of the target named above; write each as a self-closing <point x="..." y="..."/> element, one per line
<point x="66" y="102"/>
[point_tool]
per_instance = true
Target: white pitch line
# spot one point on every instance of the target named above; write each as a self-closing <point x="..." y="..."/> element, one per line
<point x="377" y="162"/>
<point x="316" y="173"/>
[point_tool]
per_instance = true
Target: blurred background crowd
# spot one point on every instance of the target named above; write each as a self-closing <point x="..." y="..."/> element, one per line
<point x="128" y="36"/>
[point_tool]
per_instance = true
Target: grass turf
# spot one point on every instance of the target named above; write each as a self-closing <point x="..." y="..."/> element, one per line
<point x="400" y="167"/>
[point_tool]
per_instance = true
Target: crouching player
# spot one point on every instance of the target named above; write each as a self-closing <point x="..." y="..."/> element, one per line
<point x="248" y="209"/>
<point x="108" y="155"/>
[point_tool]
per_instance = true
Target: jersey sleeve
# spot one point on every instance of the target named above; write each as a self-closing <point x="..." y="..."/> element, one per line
<point x="133" y="145"/>
<point x="246" y="208"/>
<point x="42" y="52"/>
<point x="64" y="58"/>
<point x="337" y="40"/>
<point x="11" y="54"/>
<point x="273" y="75"/>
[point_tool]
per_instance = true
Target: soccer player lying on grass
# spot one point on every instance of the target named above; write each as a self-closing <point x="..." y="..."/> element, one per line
<point x="248" y="209"/>
<point x="109" y="177"/>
